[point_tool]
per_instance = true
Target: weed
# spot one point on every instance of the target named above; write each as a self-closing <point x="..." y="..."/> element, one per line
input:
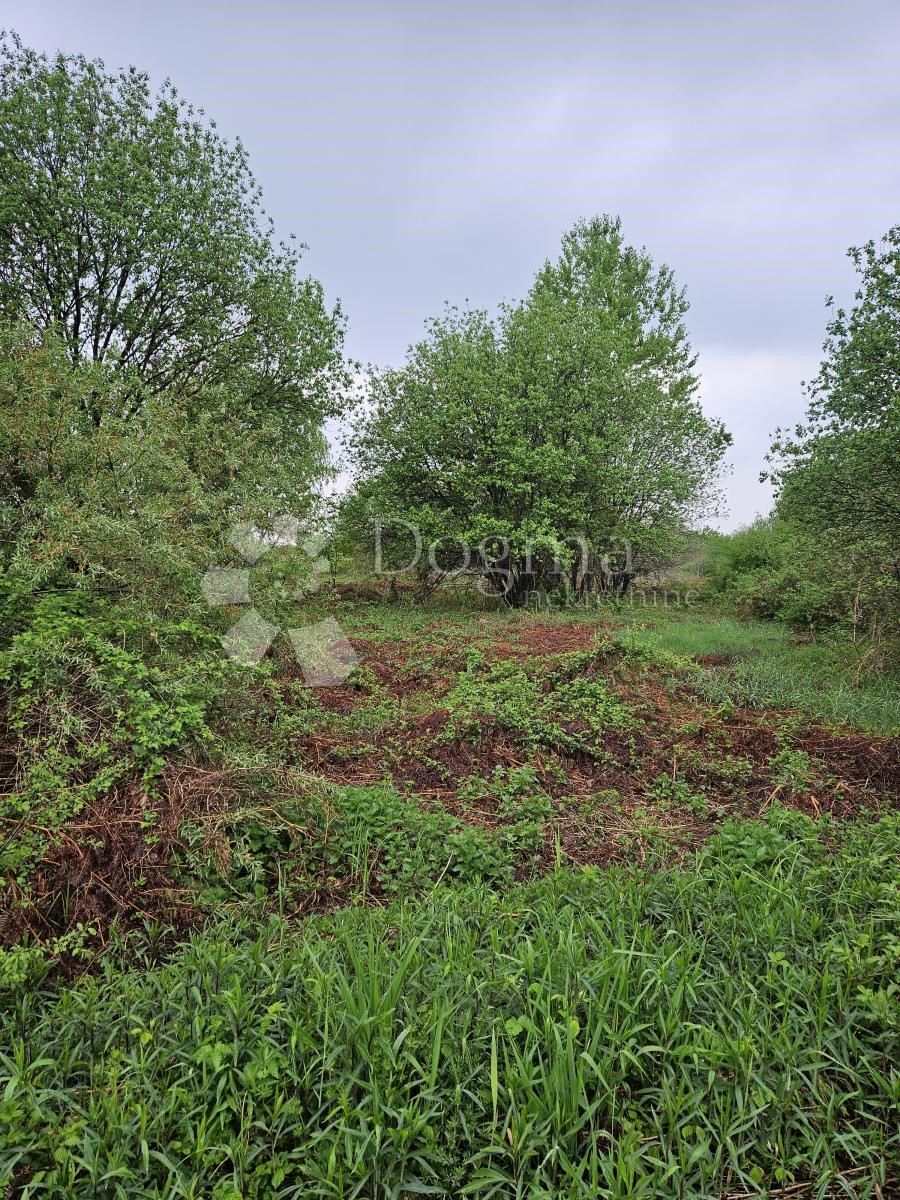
<point x="791" y="769"/>
<point x="377" y="835"/>
<point x="538" y="707"/>
<point x="764" y="667"/>
<point x="669" y="791"/>
<point x="731" y="1025"/>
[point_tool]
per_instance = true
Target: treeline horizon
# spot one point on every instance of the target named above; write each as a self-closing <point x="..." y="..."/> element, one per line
<point x="167" y="371"/>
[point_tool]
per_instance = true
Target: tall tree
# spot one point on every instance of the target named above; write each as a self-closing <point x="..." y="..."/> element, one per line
<point x="572" y="416"/>
<point x="135" y="232"/>
<point x="840" y="471"/>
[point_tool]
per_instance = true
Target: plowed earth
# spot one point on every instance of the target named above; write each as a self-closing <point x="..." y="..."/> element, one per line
<point x="607" y="802"/>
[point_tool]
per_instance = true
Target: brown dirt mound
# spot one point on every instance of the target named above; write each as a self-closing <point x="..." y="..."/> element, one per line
<point x="431" y="764"/>
<point x="713" y="660"/>
<point x="609" y="801"/>
<point x="860" y="760"/>
<point x="400" y="667"/>
<point x="403" y="667"/>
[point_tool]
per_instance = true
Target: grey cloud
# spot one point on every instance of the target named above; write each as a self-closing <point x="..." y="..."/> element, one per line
<point x="436" y="151"/>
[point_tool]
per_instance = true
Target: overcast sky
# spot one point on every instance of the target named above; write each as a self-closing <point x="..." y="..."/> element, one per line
<point x="437" y="151"/>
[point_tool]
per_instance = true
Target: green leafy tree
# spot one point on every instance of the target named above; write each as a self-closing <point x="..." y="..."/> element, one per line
<point x="839" y="473"/>
<point x="564" y="429"/>
<point x="139" y="504"/>
<point x="135" y="233"/>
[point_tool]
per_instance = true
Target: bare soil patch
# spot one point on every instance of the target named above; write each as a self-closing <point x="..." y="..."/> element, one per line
<point x="609" y="802"/>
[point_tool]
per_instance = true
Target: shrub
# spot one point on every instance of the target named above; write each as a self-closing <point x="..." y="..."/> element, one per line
<point x="774" y="569"/>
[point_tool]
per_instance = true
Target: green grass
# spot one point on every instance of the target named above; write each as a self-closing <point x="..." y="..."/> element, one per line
<point x="727" y="1028"/>
<point x="690" y="635"/>
<point x="770" y="669"/>
<point x="722" y="1029"/>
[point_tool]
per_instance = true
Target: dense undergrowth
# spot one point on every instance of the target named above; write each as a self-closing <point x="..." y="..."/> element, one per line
<point x="528" y="906"/>
<point x="156" y="782"/>
<point x="725" y="1028"/>
<point x="592" y="901"/>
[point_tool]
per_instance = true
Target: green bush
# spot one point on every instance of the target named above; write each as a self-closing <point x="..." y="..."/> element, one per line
<point x="771" y="571"/>
<point x="89" y="706"/>
<point x="375" y="833"/>
<point x="112" y="505"/>
<point x="535" y="702"/>
<point x="776" y="569"/>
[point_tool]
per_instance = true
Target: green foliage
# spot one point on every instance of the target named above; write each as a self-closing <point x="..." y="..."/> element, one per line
<point x="791" y="769"/>
<point x="164" y="373"/>
<point x="259" y="718"/>
<point x="519" y="793"/>
<point x="777" y="569"/>
<point x="131" y="229"/>
<point x="118" y="502"/>
<point x="88" y="709"/>
<point x="140" y="503"/>
<point x="521" y="804"/>
<point x="25" y="966"/>
<point x="571" y="416"/>
<point x="771" y="844"/>
<point x="731" y="1027"/>
<point x="375" y="833"/>
<point x="821" y="687"/>
<point x="839" y="474"/>
<point x="765" y="667"/>
<point x="505" y="693"/>
<point x="592" y="702"/>
<point x="536" y="708"/>
<point x="284" y="837"/>
<point x="669" y="791"/>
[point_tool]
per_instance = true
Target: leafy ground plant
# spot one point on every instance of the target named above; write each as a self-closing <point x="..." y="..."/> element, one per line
<point x="729" y="1028"/>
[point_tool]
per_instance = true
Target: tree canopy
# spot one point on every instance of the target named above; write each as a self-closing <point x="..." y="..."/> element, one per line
<point x="840" y="472"/>
<point x="135" y="233"/>
<point x="570" y="420"/>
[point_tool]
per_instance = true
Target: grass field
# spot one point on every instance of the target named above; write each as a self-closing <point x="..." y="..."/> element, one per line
<point x="532" y="905"/>
<point x="764" y="665"/>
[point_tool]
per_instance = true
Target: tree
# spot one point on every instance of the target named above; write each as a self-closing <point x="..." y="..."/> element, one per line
<point x="139" y="504"/>
<point x="566" y="428"/>
<point x="134" y="232"/>
<point x="840" y="471"/>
